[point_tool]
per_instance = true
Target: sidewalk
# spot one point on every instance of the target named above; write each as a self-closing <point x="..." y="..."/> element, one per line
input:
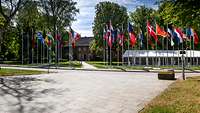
<point x="87" y="66"/>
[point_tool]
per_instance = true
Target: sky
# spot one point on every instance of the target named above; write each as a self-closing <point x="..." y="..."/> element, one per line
<point x="85" y="17"/>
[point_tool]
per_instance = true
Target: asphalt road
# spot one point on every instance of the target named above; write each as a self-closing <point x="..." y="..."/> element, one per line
<point x="74" y="91"/>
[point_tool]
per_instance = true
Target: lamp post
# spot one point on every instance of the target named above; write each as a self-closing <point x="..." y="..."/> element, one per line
<point x="183" y="64"/>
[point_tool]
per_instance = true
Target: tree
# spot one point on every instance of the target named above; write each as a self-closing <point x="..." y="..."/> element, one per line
<point x="139" y="18"/>
<point x="59" y="12"/>
<point x="106" y="12"/>
<point x="8" y="10"/>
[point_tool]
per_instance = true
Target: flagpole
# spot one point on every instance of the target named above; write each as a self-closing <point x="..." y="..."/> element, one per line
<point x="122" y="45"/>
<point x="69" y="50"/>
<point x="111" y="55"/>
<point x="128" y="49"/>
<point x="163" y="48"/>
<point x="156" y="48"/>
<point x="22" y="47"/>
<point x="32" y="45"/>
<point x="190" y="50"/>
<point x="107" y="58"/>
<point x="140" y="47"/>
<point x="147" y="59"/>
<point x="56" y="48"/>
<point x="27" y="46"/>
<point x="167" y="52"/>
<point x="193" y="51"/>
<point x="41" y="52"/>
<point x="104" y="48"/>
<point x="37" y="49"/>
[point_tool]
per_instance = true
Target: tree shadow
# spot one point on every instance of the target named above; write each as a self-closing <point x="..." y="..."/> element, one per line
<point x="17" y="92"/>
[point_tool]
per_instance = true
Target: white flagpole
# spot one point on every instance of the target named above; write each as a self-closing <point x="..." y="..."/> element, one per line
<point x="111" y="55"/>
<point x="41" y="52"/>
<point x="104" y="48"/>
<point x="193" y="53"/>
<point x="147" y="59"/>
<point x="27" y="34"/>
<point x="190" y="51"/>
<point x="128" y="48"/>
<point x="37" y="49"/>
<point x="22" y="47"/>
<point x="32" y="47"/>
<point x="122" y="45"/>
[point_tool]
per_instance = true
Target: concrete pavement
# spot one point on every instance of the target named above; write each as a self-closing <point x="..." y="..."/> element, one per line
<point x="72" y="91"/>
<point x="87" y="66"/>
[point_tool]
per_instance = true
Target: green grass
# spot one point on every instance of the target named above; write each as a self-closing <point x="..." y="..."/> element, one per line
<point x="12" y="72"/>
<point x="180" y="97"/>
<point x="101" y="65"/>
<point x="75" y="64"/>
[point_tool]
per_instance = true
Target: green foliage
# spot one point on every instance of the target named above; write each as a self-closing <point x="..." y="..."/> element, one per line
<point x="139" y="18"/>
<point x="59" y="12"/>
<point x="94" y="47"/>
<point x="10" y="45"/>
<point x="106" y="12"/>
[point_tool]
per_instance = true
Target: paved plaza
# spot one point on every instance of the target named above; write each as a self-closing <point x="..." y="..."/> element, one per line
<point x="75" y="91"/>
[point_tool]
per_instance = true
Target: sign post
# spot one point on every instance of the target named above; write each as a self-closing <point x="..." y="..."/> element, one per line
<point x="183" y="63"/>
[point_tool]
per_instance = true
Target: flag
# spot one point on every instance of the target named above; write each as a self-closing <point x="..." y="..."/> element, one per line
<point x="196" y="38"/>
<point x="171" y="36"/>
<point x="50" y="39"/>
<point x="192" y="34"/>
<point x="104" y="34"/>
<point x="74" y="37"/>
<point x="131" y="35"/>
<point x="114" y="35"/>
<point x="178" y="35"/>
<point x="109" y="34"/>
<point x="66" y="36"/>
<point x="189" y="32"/>
<point x="77" y="36"/>
<point x="151" y="31"/>
<point x="40" y="37"/>
<point x="46" y="40"/>
<point x="120" y="38"/>
<point x="58" y="37"/>
<point x="160" y="31"/>
<point x="141" y="38"/>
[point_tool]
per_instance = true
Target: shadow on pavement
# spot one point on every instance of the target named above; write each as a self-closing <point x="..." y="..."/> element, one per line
<point x="18" y="95"/>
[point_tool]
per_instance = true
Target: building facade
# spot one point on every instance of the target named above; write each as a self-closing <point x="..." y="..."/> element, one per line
<point x="81" y="52"/>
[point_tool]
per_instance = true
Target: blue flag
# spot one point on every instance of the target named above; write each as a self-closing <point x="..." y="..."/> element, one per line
<point x="40" y="37"/>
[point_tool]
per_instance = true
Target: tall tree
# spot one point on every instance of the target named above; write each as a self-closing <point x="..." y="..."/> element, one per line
<point x="8" y="10"/>
<point x="59" y="12"/>
<point x="139" y="18"/>
<point x="106" y="12"/>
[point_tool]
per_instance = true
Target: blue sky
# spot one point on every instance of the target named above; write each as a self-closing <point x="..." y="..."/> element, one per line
<point x="85" y="18"/>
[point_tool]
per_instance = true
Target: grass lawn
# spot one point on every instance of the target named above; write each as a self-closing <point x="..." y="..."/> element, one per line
<point x="100" y="64"/>
<point x="180" y="97"/>
<point x="75" y="64"/>
<point x="12" y="72"/>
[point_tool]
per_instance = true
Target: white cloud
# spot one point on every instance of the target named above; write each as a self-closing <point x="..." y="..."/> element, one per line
<point x="85" y="18"/>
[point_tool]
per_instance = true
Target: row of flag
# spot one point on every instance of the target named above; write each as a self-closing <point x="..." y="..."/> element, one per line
<point x="49" y="40"/>
<point x="174" y="34"/>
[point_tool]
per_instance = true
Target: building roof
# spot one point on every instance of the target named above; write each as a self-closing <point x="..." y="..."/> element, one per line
<point x="84" y="41"/>
<point x="160" y="53"/>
